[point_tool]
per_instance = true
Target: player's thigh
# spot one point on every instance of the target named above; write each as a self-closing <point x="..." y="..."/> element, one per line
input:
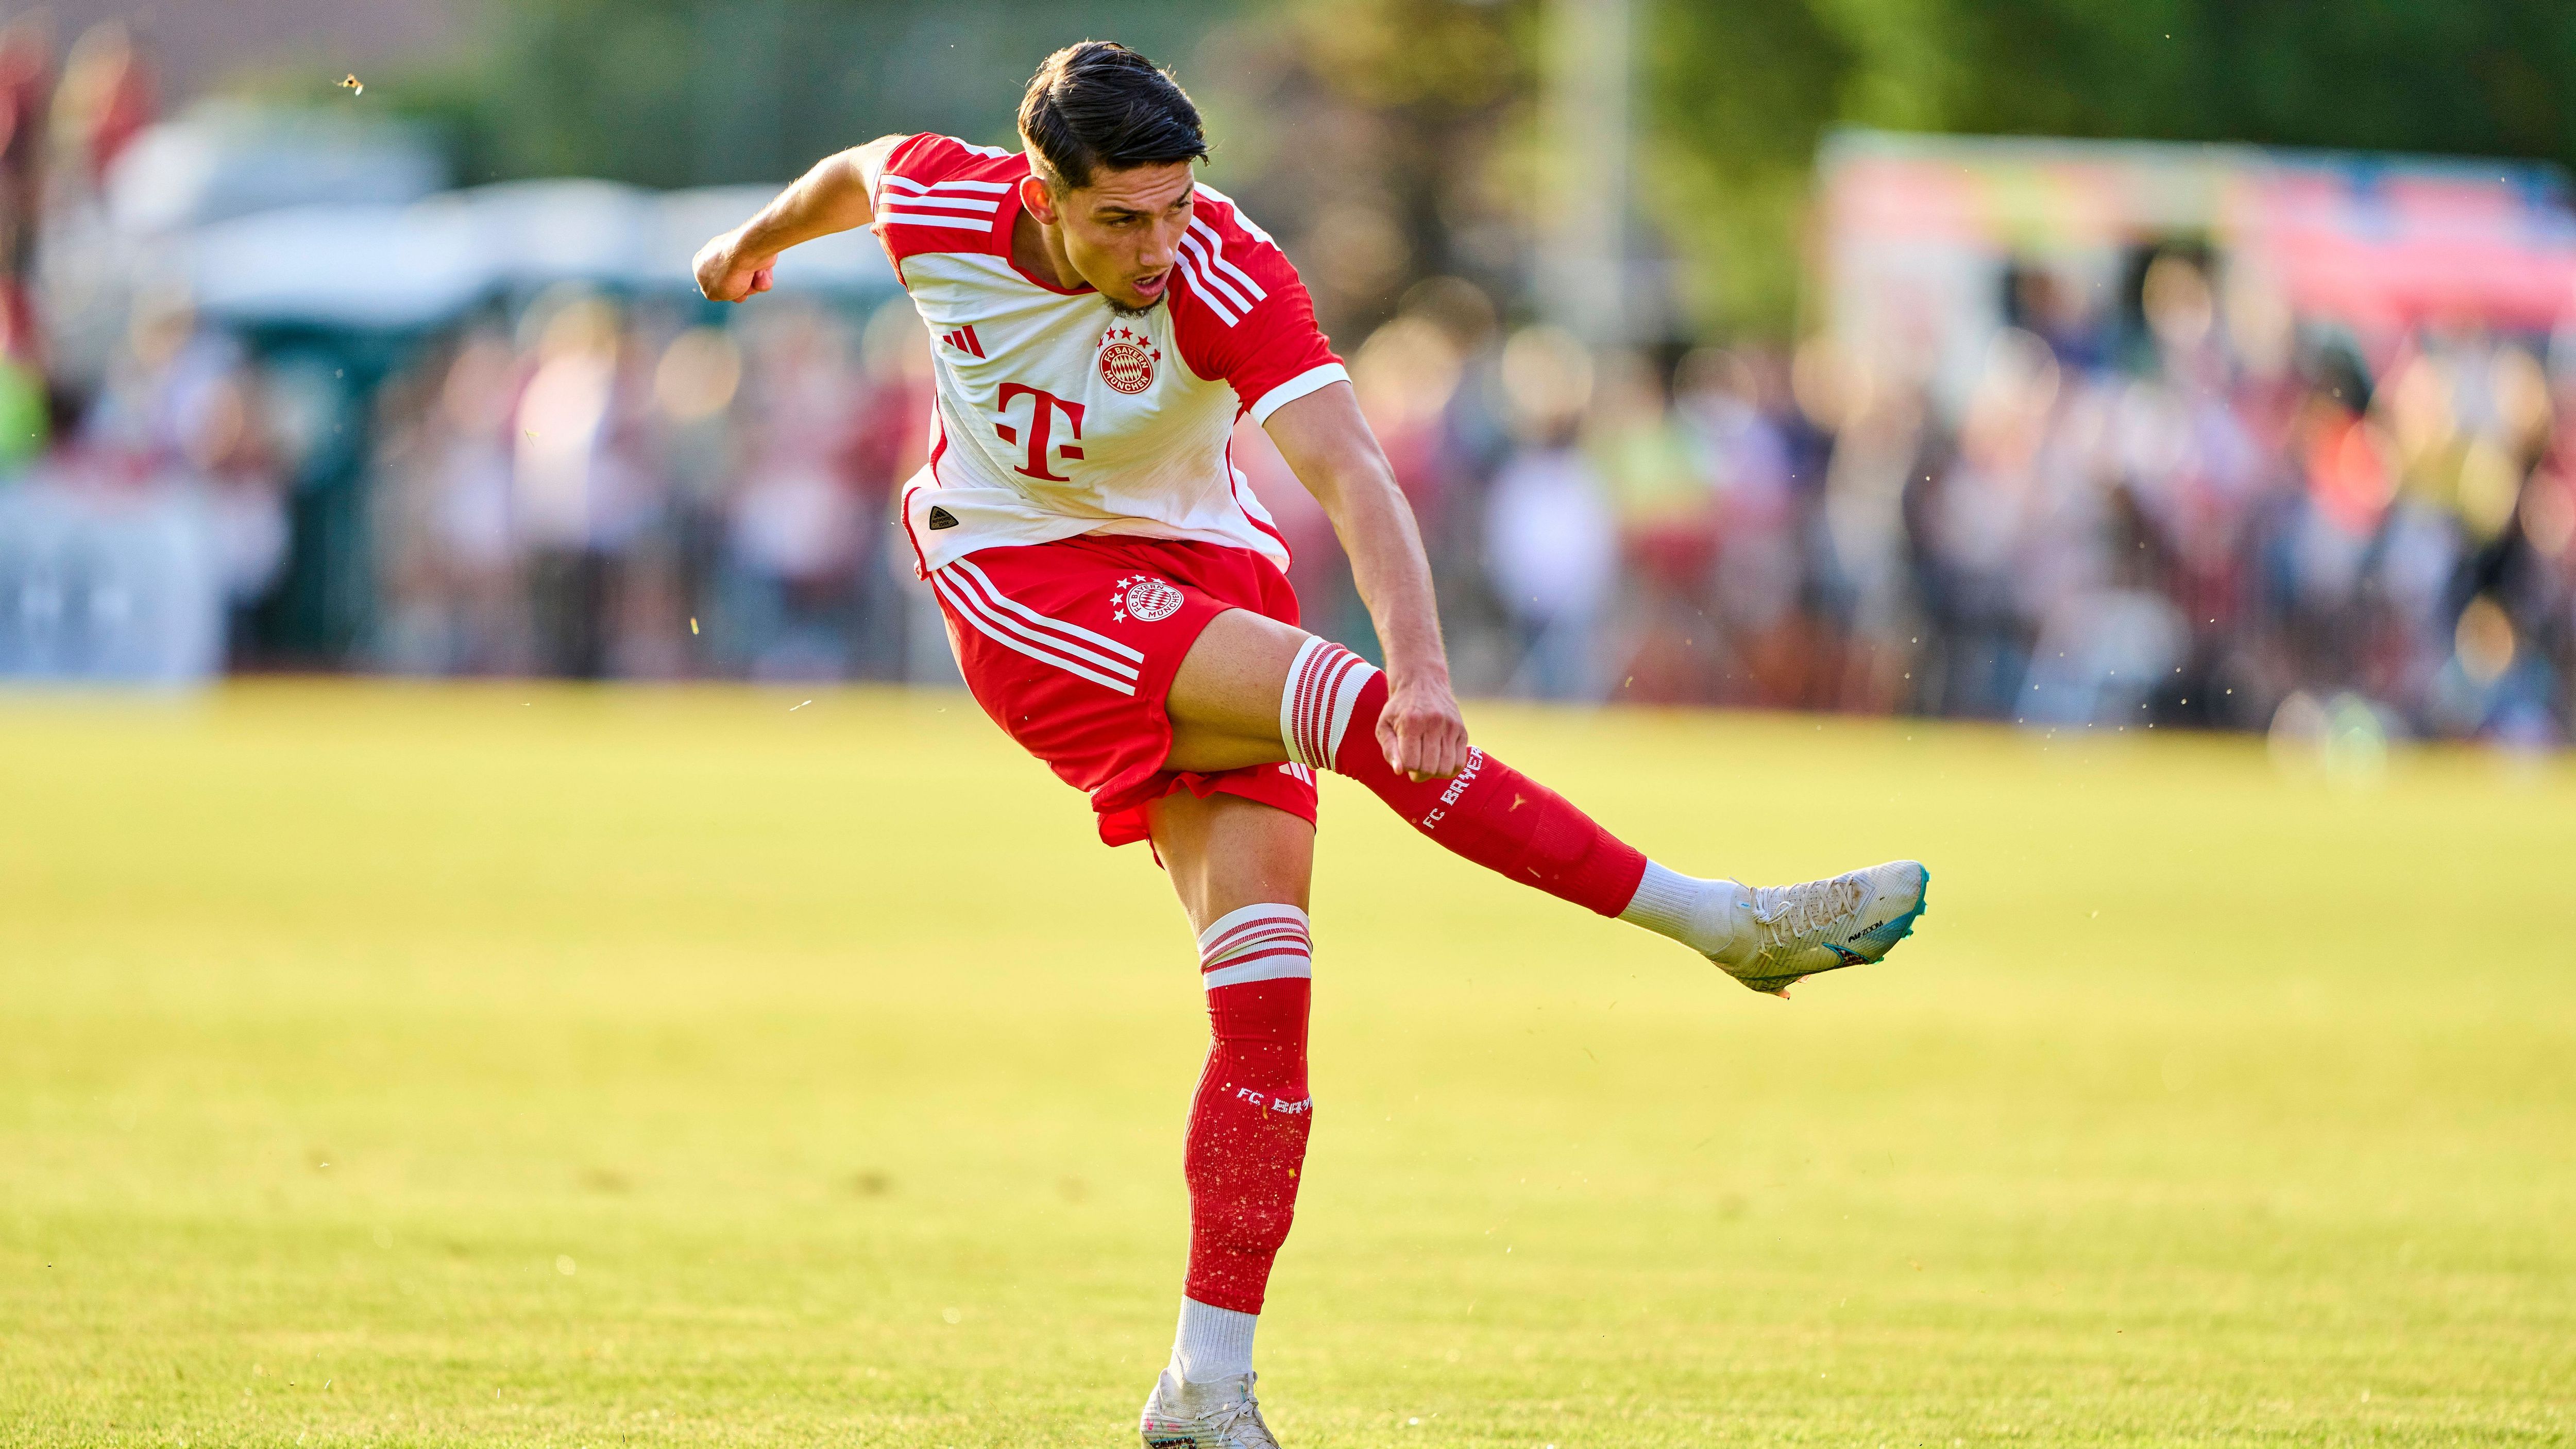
<point x="1224" y="852"/>
<point x="1224" y="700"/>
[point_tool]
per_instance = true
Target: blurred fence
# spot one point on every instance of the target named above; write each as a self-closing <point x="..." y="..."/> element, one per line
<point x="2102" y="436"/>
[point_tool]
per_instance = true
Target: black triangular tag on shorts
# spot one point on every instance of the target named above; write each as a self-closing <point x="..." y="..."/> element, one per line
<point x="942" y="518"/>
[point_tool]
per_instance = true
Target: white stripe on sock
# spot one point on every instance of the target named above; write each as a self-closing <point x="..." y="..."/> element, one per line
<point x="1315" y="705"/>
<point x="1289" y="713"/>
<point x="1346" y="697"/>
<point x="1266" y="942"/>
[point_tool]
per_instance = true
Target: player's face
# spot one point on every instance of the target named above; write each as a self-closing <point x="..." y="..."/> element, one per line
<point x="1123" y="231"/>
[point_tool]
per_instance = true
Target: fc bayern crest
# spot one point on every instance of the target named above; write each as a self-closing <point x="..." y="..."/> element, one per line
<point x="1127" y="359"/>
<point x="1146" y="599"/>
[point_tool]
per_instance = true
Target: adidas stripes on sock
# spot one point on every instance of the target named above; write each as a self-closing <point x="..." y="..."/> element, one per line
<point x="1488" y="812"/>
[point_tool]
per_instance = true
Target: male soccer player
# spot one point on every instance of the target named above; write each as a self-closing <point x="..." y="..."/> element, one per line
<point x="1113" y="594"/>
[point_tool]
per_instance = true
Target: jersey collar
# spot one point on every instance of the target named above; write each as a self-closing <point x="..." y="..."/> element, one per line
<point x="1008" y="221"/>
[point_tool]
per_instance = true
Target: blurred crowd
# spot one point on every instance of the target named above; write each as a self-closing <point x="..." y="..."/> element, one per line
<point x="2212" y="515"/>
<point x="2185" y="518"/>
<point x="607" y="491"/>
<point x="2169" y="503"/>
<point x="600" y="490"/>
<point x="2159" y="514"/>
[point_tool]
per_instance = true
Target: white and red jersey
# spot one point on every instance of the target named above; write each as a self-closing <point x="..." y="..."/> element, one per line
<point x="1058" y="414"/>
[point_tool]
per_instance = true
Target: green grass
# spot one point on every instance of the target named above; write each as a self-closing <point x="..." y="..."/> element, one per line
<point x="515" y="1065"/>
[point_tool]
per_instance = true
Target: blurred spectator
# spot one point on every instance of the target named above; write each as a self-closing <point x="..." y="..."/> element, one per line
<point x="449" y="564"/>
<point x="1551" y="543"/>
<point x="227" y="462"/>
<point x="797" y="535"/>
<point x="578" y="499"/>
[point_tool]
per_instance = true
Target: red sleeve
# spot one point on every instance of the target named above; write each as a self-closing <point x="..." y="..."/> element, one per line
<point x="1240" y="312"/>
<point x="939" y="194"/>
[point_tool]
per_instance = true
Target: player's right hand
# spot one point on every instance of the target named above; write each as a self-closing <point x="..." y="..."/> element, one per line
<point x="1421" y="728"/>
<point x="726" y="273"/>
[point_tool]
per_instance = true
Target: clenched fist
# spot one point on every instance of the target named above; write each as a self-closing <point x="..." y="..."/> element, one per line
<point x="728" y="273"/>
<point x="1421" y="729"/>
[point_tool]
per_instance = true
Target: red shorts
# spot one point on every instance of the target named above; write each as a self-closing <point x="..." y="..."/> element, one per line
<point x="1071" y="647"/>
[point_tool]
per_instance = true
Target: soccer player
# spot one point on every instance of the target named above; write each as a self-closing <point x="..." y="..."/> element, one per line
<point x="1113" y="594"/>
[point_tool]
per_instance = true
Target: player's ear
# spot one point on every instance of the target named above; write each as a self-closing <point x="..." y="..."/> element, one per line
<point x="1038" y="199"/>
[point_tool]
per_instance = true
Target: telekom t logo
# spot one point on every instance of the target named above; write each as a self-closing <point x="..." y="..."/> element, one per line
<point x="1042" y="410"/>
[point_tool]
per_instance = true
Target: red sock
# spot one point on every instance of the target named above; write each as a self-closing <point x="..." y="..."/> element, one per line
<point x="1489" y="812"/>
<point x="1248" y="1125"/>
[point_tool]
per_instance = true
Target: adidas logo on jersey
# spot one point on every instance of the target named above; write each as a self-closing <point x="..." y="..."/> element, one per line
<point x="959" y="204"/>
<point x="1228" y="290"/>
<point x="941" y="517"/>
<point x="964" y="340"/>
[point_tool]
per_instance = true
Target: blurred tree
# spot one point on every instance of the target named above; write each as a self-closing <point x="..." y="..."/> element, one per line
<point x="1741" y="90"/>
<point x="1385" y="128"/>
<point x="1417" y="92"/>
<point x="683" y="92"/>
<point x="1738" y="91"/>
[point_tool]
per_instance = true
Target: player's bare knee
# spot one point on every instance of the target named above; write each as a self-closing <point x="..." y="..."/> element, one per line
<point x="1229" y="680"/>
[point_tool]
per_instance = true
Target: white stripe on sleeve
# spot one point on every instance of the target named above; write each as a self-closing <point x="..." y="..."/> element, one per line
<point x="906" y="183"/>
<point x="1313" y="379"/>
<point x="1200" y="244"/>
<point x="1216" y="253"/>
<point x="1199" y="284"/>
<point x="916" y="218"/>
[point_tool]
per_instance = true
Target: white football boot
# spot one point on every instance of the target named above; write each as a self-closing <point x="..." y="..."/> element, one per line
<point x="1783" y="934"/>
<point x="1220" y="1414"/>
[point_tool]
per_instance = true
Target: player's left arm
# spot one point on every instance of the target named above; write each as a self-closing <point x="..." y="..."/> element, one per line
<point x="1327" y="443"/>
<point x="837" y="195"/>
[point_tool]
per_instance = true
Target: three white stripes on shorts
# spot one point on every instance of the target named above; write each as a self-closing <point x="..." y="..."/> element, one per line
<point x="1014" y="625"/>
<point x="1266" y="942"/>
<point x="1324" y="683"/>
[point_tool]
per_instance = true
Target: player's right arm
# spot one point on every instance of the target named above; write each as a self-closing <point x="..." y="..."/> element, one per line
<point x="832" y="197"/>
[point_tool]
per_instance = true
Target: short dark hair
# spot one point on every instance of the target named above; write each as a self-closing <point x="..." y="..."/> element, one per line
<point x="1100" y="106"/>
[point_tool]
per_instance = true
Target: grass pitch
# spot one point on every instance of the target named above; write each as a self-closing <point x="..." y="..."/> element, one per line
<point x="531" y="1066"/>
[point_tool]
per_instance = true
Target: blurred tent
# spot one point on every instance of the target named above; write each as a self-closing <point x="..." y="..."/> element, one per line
<point x="266" y="218"/>
<point x="361" y="267"/>
<point x="1924" y="236"/>
<point x="328" y="252"/>
<point x="406" y="267"/>
<point x="221" y="161"/>
<point x="2387" y="246"/>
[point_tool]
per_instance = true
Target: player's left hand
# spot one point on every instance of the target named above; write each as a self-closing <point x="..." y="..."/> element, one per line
<point x="1421" y="729"/>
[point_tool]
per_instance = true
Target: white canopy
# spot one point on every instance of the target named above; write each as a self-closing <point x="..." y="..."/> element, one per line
<point x="395" y="266"/>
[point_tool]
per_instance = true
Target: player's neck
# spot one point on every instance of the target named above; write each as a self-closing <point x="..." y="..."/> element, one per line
<point x="1037" y="250"/>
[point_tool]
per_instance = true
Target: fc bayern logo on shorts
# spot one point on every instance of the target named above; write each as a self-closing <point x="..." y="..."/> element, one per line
<point x="1127" y="359"/>
<point x="1146" y="599"/>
